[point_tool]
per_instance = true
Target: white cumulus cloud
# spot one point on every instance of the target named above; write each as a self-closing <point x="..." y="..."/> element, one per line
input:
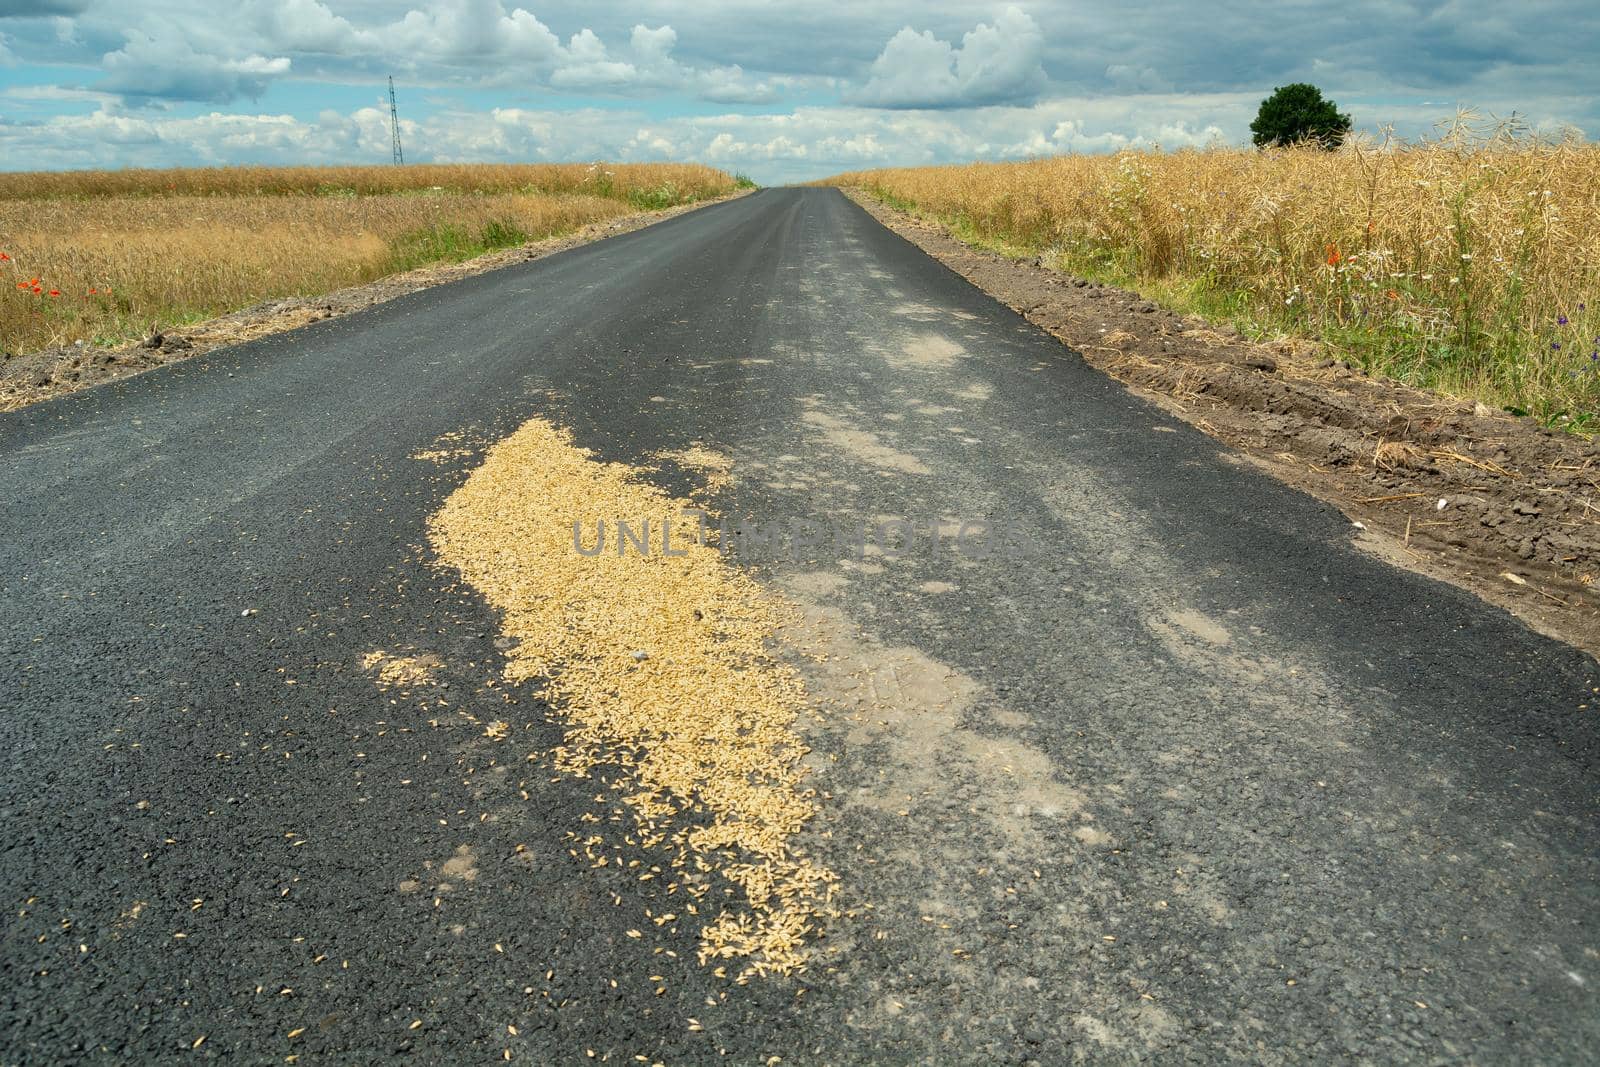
<point x="482" y="42"/>
<point x="172" y="69"/>
<point x="995" y="64"/>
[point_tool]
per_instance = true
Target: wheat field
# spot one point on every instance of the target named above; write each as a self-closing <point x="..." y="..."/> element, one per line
<point x="677" y="181"/>
<point x="1470" y="265"/>
<point x="104" y="256"/>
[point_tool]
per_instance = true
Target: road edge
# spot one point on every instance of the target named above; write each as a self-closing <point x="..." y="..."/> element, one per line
<point x="1218" y="384"/>
<point x="62" y="371"/>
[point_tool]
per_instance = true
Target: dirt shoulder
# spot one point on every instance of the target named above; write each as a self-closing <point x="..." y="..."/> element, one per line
<point x="1495" y="504"/>
<point x="31" y="377"/>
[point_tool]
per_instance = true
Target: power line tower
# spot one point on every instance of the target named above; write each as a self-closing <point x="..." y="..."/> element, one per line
<point x="394" y="124"/>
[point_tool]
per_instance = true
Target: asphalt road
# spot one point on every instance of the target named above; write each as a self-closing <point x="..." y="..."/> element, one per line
<point x="1194" y="777"/>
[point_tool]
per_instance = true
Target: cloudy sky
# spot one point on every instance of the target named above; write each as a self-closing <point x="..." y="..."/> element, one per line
<point x="781" y="92"/>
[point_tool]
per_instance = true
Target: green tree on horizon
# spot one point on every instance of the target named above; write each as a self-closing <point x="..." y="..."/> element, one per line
<point x="1298" y="113"/>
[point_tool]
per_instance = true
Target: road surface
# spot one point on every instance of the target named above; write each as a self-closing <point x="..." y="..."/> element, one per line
<point x="1193" y="777"/>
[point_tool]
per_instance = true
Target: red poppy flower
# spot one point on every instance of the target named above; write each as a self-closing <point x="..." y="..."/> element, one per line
<point x="92" y="292"/>
<point x="55" y="292"/>
<point x="1333" y="255"/>
<point x="4" y="258"/>
<point x="23" y="285"/>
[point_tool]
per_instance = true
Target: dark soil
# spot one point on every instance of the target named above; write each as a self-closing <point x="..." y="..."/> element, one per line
<point x="1494" y="503"/>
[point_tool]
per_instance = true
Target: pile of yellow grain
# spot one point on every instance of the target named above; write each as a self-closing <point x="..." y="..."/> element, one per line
<point x="660" y="665"/>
